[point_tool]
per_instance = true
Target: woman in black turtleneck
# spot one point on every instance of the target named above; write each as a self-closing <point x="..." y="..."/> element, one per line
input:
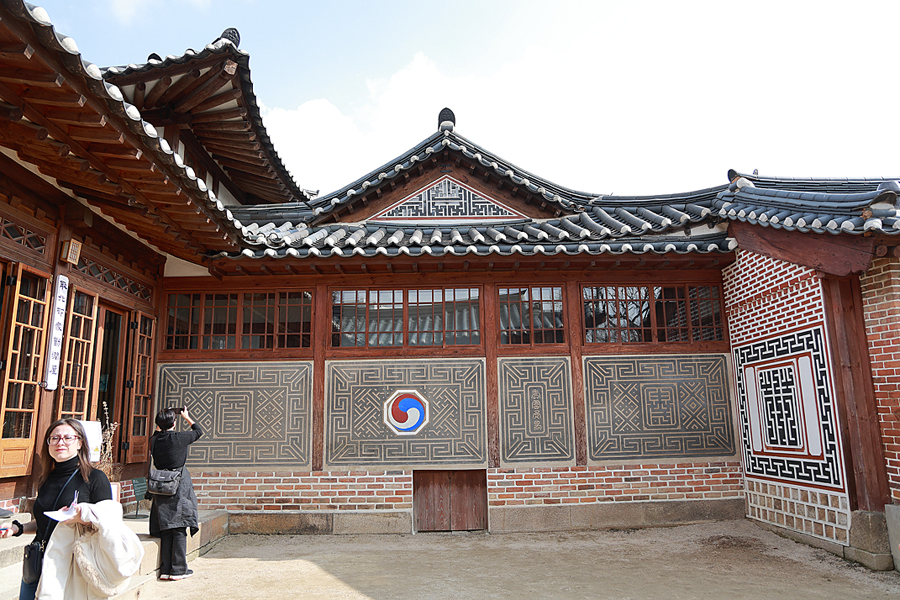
<point x="66" y="468"/>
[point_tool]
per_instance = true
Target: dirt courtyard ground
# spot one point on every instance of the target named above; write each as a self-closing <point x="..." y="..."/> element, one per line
<point x="731" y="559"/>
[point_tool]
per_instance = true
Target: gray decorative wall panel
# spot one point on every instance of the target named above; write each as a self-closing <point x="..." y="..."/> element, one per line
<point x="647" y="407"/>
<point x="536" y="416"/>
<point x="363" y="397"/>
<point x="252" y="414"/>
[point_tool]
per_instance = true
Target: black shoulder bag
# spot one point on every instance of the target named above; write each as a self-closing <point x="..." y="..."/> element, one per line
<point x="161" y="482"/>
<point x="34" y="552"/>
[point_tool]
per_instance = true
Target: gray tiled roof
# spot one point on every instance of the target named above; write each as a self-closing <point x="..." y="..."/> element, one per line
<point x="825" y="205"/>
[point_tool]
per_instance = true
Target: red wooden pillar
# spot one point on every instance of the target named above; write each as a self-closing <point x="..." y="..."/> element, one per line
<point x="856" y="405"/>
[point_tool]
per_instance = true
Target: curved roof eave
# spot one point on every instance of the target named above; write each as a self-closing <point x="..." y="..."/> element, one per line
<point x="111" y="96"/>
<point x="223" y="45"/>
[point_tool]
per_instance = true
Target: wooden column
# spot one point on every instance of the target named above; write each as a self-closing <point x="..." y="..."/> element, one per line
<point x="857" y="410"/>
<point x="492" y="389"/>
<point x="575" y="333"/>
<point x="321" y="333"/>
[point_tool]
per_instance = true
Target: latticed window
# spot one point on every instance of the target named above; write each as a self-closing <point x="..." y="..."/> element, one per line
<point x="436" y="317"/>
<point x="442" y="317"/>
<point x="25" y="354"/>
<point x="239" y="320"/>
<point x="531" y="315"/>
<point x="183" y="322"/>
<point x="641" y="314"/>
<point x="294" y="320"/>
<point x="78" y="357"/>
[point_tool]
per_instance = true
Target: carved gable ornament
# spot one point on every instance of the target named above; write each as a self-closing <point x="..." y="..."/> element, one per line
<point x="447" y="202"/>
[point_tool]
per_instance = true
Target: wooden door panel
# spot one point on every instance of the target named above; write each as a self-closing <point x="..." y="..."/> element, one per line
<point x="431" y="493"/>
<point x="450" y="500"/>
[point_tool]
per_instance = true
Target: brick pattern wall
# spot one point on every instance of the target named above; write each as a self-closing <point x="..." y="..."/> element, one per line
<point x="620" y="483"/>
<point x="392" y="490"/>
<point x="766" y="297"/>
<point x="881" y="300"/>
<point x="815" y="512"/>
<point x="316" y="491"/>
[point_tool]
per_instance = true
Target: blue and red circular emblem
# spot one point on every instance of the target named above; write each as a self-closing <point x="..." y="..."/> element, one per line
<point x="406" y="412"/>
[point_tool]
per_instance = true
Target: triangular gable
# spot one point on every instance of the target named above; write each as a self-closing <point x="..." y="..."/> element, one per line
<point x="448" y="202"/>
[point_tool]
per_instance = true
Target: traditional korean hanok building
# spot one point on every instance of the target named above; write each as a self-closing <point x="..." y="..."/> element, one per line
<point x="451" y="342"/>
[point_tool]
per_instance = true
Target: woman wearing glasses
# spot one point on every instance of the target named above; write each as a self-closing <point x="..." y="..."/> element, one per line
<point x="66" y="469"/>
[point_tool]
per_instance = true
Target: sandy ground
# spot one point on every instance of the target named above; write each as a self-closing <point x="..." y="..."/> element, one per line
<point x="732" y="559"/>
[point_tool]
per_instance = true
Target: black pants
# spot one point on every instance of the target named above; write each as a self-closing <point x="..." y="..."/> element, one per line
<point x="173" y="551"/>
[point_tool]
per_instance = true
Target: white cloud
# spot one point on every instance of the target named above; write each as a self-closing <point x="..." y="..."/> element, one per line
<point x="124" y="11"/>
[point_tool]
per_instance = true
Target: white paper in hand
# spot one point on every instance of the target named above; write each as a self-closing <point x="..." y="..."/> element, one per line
<point x="64" y="514"/>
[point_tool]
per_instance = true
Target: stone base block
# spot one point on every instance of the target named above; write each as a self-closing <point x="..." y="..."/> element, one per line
<point x="381" y="522"/>
<point x="565" y="517"/>
<point x="876" y="561"/>
<point x="281" y="522"/>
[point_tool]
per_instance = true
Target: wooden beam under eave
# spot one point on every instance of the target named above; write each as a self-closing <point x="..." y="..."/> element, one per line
<point x="219" y="100"/>
<point x="31" y="78"/>
<point x="191" y="142"/>
<point x="46" y="97"/>
<point x="74" y="117"/>
<point x="178" y="87"/>
<point x="159" y="88"/>
<point x="837" y="255"/>
<point x="214" y="81"/>
<point x="221" y="115"/>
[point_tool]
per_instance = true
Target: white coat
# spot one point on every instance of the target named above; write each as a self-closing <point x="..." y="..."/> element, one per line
<point x="83" y="563"/>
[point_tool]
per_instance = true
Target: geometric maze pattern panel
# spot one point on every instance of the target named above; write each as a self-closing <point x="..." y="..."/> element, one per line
<point x="252" y="414"/>
<point x="648" y="407"/>
<point x="536" y="416"/>
<point x="787" y="409"/>
<point x="392" y="413"/>
<point x="447" y="201"/>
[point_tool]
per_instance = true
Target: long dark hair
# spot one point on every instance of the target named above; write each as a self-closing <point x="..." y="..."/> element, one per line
<point x="84" y="453"/>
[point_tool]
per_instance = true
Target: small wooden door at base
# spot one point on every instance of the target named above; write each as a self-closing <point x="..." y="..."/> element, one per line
<point x="450" y="500"/>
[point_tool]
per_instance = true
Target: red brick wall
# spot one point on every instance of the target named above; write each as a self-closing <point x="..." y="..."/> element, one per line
<point x="881" y="299"/>
<point x="619" y="483"/>
<point x="392" y="490"/>
<point x="764" y="295"/>
<point x="316" y="491"/>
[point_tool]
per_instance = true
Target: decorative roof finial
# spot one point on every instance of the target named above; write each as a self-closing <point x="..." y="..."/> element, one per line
<point x="231" y="34"/>
<point x="446" y="120"/>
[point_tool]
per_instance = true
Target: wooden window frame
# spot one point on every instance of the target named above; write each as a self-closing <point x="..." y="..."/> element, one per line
<point x="198" y="309"/>
<point x="404" y="334"/>
<point x="532" y="342"/>
<point x="77" y="346"/>
<point x="654" y="328"/>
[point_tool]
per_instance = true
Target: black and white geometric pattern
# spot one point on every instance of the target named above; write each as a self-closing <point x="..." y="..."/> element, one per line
<point x="778" y="386"/>
<point x="447" y="199"/>
<point x="536" y="416"/>
<point x="647" y="407"/>
<point x="788" y="421"/>
<point x="355" y="429"/>
<point x="252" y="414"/>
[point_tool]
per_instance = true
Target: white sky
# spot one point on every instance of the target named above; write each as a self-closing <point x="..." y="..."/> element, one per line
<point x="604" y="97"/>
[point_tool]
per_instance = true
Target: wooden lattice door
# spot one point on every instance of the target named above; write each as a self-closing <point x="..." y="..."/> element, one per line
<point x="26" y="299"/>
